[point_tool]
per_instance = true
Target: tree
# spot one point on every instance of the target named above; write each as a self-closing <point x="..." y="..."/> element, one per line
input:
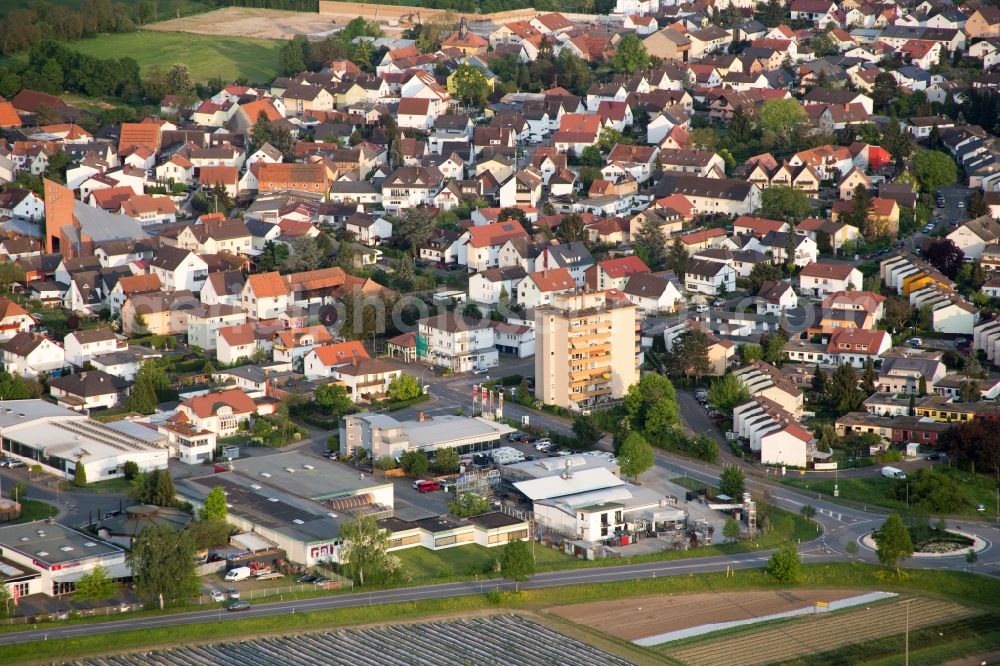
<point x="819" y="381"/>
<point x="741" y="126"/>
<point x="95" y="586"/>
<point x="677" y="259"/>
<point x="785" y="565"/>
<point x="783" y="118"/>
<point x="471" y="85"/>
<point x="808" y="510"/>
<point x="689" y="356"/>
<point x="893" y="542"/>
<point x="79" y="474"/>
<point x="587" y="430"/>
<point x="178" y="80"/>
<point x="652" y="401"/>
<point x="572" y="228"/>
<point x="591" y="156"/>
<point x="208" y="533"/>
<point x="447" y="460"/>
<point x="751" y="352"/>
<point x="636" y="455"/>
<point x="703" y="138"/>
<point x="884" y="89"/>
<point x="650" y="244"/>
<point x="415" y="463"/>
<point x="945" y="256"/>
<point x="934" y="169"/>
<point x="731" y="530"/>
<point x="726" y="393"/>
<point x="869" y="377"/>
<point x="516" y="562"/>
<point x="784" y="203"/>
<point x="822" y="45"/>
<point x="611" y="137"/>
<point x="468" y="504"/>
<point x="763" y="272"/>
<point x="897" y="311"/>
<point x="732" y="482"/>
<point x="414" y="227"/>
<point x="162" y="563"/>
<point x="365" y="546"/>
<point x="156" y="488"/>
<point x="293" y="55"/>
<point x="143" y="398"/>
<point x="774" y="348"/>
<point x="214" y="507"/>
<point x="970" y="391"/>
<point x="6" y="602"/>
<point x="843" y="392"/>
<point x="975" y="205"/>
<point x="333" y="398"/>
<point x="630" y="56"/>
<point x="404" y="387"/>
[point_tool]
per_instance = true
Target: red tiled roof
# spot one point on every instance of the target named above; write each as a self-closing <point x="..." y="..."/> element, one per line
<point x="342" y="352"/>
<point x="623" y="266"/>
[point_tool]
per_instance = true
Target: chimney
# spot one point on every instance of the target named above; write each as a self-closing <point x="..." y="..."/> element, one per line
<point x="420" y="416"/>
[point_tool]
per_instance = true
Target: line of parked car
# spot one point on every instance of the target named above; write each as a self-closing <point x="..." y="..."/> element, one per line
<point x="7" y="461"/>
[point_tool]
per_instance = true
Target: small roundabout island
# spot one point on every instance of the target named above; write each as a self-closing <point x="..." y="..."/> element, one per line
<point x="937" y="542"/>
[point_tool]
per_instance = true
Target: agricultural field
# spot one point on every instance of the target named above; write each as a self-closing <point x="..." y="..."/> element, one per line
<point x="499" y="639"/>
<point x="208" y="57"/>
<point x="164" y="8"/>
<point x="818" y="634"/>
<point x="250" y="22"/>
<point x="632" y="619"/>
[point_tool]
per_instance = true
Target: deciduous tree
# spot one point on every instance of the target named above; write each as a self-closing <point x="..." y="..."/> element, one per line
<point x="516" y="562"/>
<point x="365" y="546"/>
<point x="893" y="542"/>
<point x="635" y="456"/>
<point x="732" y="482"/>
<point x="214" y="507"/>
<point x="727" y="392"/>
<point x="162" y="563"/>
<point x="785" y="565"/>
<point x="630" y="56"/>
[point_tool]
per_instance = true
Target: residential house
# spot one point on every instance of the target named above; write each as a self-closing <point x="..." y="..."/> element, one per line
<point x="458" y="343"/>
<point x="322" y="360"/>
<point x="822" y="278"/>
<point x="30" y="355"/>
<point x="89" y="390"/>
<point x="709" y="277"/>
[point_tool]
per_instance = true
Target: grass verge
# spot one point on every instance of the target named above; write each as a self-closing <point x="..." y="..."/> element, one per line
<point x="422" y="564"/>
<point x="207" y="56"/>
<point x="34" y="510"/>
<point x="874" y="490"/>
<point x="969" y="589"/>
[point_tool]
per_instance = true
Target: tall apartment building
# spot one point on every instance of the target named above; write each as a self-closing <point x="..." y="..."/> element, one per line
<point x="586" y="350"/>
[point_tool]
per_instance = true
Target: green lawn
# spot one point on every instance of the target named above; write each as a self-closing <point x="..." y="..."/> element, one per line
<point x="470" y="560"/>
<point x="165" y="8"/>
<point x="119" y="485"/>
<point x="34" y="510"/>
<point x="208" y="56"/>
<point x="977" y="488"/>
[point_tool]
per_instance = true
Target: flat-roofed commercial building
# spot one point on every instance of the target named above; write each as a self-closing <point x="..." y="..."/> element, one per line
<point x="381" y="435"/>
<point x="586" y="350"/>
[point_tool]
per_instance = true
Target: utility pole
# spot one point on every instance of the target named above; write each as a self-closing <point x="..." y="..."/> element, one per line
<point x="906" y="636"/>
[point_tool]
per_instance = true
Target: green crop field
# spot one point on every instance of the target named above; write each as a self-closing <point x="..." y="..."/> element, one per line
<point x="207" y="56"/>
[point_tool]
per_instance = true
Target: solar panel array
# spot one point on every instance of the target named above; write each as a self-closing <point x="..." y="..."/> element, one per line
<point x="501" y="639"/>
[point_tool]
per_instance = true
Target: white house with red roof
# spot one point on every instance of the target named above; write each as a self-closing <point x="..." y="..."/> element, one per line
<point x="13" y="320"/>
<point x="789" y="446"/>
<point x="221" y="413"/>
<point x="614" y="273"/>
<point x="822" y="278"/>
<point x="321" y="361"/>
<point x="538" y="289"/>
<point x="479" y="247"/>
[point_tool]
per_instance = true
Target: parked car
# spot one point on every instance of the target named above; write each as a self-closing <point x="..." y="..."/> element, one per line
<point x="915" y="342"/>
<point x="217" y="596"/>
<point x="516" y="436"/>
<point x="426" y="486"/>
<point x="15" y="462"/>
<point x="543" y="444"/>
<point x="322" y="580"/>
<point x="961" y="342"/>
<point x="238" y="606"/>
<point x="701" y="308"/>
<point x="233" y="593"/>
<point x="306" y="578"/>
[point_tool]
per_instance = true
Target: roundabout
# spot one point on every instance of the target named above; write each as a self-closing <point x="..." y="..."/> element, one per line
<point x="939" y="547"/>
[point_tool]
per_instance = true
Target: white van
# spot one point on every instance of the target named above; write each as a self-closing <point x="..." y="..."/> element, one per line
<point x="238" y="574"/>
<point x="893" y="473"/>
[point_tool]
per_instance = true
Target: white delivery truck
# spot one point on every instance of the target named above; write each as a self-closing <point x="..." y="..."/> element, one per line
<point x="238" y="574"/>
<point x="893" y="473"/>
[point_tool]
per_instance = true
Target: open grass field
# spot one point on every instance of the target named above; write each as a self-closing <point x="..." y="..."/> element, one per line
<point x="249" y="22"/>
<point x="818" y="634"/>
<point x="207" y="56"/>
<point x="977" y="489"/>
